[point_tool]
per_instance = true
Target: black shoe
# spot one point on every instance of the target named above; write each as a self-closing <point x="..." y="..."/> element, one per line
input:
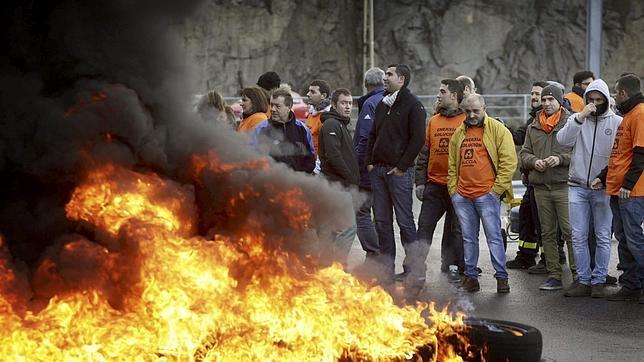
<point x="400" y="277"/>
<point x="520" y="262"/>
<point x="539" y="268"/>
<point x="610" y="280"/>
<point x="625" y="294"/>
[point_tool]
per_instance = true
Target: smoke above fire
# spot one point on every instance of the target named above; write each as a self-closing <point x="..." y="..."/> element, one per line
<point x="130" y="228"/>
<point x="90" y="83"/>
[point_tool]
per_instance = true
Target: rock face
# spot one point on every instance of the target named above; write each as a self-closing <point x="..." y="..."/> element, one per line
<point x="504" y="45"/>
<point x="235" y="42"/>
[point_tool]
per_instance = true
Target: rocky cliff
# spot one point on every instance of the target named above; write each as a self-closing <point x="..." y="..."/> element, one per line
<point x="504" y="44"/>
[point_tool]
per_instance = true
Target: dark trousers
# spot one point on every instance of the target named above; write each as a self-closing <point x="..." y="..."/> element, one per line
<point x="392" y="193"/>
<point x="529" y="225"/>
<point x="628" y="215"/>
<point x="436" y="203"/>
<point x="365" y="228"/>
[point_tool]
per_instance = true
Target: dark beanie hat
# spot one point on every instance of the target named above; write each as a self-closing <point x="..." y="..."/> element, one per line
<point x="269" y="80"/>
<point x="554" y="91"/>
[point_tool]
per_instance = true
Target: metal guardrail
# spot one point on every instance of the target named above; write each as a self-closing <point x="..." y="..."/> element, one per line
<point x="508" y="107"/>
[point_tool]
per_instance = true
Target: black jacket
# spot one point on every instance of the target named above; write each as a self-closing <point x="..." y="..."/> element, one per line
<point x="518" y="135"/>
<point x="398" y="133"/>
<point x="335" y="149"/>
<point x="289" y="143"/>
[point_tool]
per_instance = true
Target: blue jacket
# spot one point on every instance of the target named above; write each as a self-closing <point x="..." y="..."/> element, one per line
<point x="289" y="143"/>
<point x="367" y="108"/>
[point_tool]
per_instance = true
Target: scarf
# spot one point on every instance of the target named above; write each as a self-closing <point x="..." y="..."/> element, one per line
<point x="548" y="123"/>
<point x="390" y="98"/>
<point x="630" y="103"/>
<point x="323" y="106"/>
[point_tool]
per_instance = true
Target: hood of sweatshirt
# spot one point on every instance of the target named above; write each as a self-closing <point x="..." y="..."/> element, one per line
<point x="332" y="113"/>
<point x="600" y="86"/>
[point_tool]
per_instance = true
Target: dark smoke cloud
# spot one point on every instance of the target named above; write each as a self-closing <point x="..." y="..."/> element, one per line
<point x="84" y="83"/>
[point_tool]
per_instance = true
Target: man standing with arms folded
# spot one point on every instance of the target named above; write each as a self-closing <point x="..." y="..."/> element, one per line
<point x="547" y="163"/>
<point x="395" y="139"/>
<point x="433" y="190"/>
<point x="590" y="133"/>
<point x="625" y="185"/>
<point x="373" y="81"/>
<point x="481" y="163"/>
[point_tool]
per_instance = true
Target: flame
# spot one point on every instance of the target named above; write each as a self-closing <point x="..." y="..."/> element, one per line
<point x="213" y="163"/>
<point x="115" y="195"/>
<point x="221" y="299"/>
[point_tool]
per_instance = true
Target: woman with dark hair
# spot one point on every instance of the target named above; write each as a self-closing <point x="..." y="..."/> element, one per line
<point x="254" y="105"/>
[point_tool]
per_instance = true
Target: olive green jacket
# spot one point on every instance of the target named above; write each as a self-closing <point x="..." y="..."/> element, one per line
<point x="539" y="145"/>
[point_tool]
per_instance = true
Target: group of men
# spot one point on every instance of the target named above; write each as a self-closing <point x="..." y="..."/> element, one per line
<point x="464" y="161"/>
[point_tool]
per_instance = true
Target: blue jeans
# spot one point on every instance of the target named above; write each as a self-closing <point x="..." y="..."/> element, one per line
<point x="436" y="203"/>
<point x="628" y="215"/>
<point x="584" y="204"/>
<point x="471" y="212"/>
<point x="342" y="243"/>
<point x="393" y="193"/>
<point x="365" y="228"/>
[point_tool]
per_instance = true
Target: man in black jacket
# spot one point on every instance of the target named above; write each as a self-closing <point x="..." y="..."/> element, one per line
<point x="283" y="137"/>
<point x="338" y="159"/>
<point x="396" y="137"/>
<point x="529" y="228"/>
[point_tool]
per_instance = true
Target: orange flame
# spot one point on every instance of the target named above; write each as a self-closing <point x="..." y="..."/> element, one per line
<point x="114" y="195"/>
<point x="213" y="163"/>
<point x="192" y="304"/>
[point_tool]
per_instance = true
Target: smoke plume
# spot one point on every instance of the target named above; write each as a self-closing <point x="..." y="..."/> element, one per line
<point x="90" y="83"/>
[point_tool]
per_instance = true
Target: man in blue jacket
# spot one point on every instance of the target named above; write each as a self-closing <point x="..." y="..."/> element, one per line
<point x="373" y="81"/>
<point x="283" y="137"/>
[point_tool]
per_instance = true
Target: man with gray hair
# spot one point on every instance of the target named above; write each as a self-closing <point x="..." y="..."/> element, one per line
<point x="468" y="85"/>
<point x="373" y="82"/>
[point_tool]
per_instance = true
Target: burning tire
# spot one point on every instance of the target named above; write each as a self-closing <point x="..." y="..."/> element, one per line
<point x="504" y="340"/>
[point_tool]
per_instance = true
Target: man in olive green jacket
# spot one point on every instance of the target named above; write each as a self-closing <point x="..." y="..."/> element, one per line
<point x="481" y="163"/>
<point x="547" y="162"/>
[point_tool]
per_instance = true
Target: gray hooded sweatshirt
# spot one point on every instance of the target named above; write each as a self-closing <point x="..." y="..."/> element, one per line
<point x="592" y="140"/>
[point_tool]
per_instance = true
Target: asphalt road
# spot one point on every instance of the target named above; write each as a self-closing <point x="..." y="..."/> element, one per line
<point x="573" y="329"/>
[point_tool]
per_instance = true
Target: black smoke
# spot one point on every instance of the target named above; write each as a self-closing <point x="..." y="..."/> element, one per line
<point x="84" y="83"/>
